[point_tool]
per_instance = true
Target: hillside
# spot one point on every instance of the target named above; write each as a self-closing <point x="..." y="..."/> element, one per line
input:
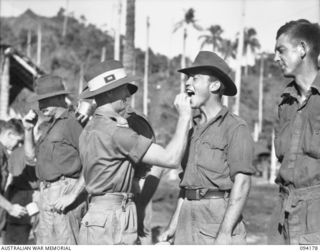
<point x="82" y="46"/>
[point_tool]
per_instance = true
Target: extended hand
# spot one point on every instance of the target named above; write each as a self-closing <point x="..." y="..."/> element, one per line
<point x="167" y="235"/>
<point x="182" y="104"/>
<point x="223" y="239"/>
<point x="17" y="211"/>
<point x="83" y="119"/>
<point x="63" y="202"/>
<point x="30" y="119"/>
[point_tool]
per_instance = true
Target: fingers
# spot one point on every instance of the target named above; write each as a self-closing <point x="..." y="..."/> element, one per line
<point x="82" y="118"/>
<point x="30" y="119"/>
<point x="19" y="211"/>
<point x="183" y="104"/>
<point x="163" y="237"/>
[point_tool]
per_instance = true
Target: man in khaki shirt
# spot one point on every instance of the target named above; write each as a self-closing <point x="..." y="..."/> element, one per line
<point x="108" y="150"/>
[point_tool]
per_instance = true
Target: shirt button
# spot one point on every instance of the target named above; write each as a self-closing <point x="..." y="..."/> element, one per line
<point x="86" y="223"/>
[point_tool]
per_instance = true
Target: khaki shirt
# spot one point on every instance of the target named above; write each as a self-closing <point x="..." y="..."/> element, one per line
<point x="217" y="151"/>
<point x="58" y="149"/>
<point x="108" y="150"/>
<point x="297" y="137"/>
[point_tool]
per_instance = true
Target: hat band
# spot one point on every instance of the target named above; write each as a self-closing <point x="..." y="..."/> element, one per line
<point x="106" y="79"/>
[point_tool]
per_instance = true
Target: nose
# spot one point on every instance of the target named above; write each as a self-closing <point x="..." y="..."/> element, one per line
<point x="276" y="57"/>
<point x="189" y="81"/>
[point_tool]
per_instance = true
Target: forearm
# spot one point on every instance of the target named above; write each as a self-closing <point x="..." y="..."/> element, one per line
<point x="175" y="217"/>
<point x="78" y="187"/>
<point x="170" y="157"/>
<point x="29" y="144"/>
<point x="238" y="197"/>
<point x="176" y="148"/>
<point x="4" y="203"/>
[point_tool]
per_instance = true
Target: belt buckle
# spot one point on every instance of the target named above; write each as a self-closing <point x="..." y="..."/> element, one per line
<point x="192" y="194"/>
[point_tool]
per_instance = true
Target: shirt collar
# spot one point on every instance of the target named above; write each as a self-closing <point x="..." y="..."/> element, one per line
<point x="107" y="114"/>
<point x="220" y="116"/>
<point x="292" y="88"/>
<point x="316" y="83"/>
<point x="65" y="114"/>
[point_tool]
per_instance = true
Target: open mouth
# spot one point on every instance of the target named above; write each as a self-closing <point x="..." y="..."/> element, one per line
<point x="189" y="92"/>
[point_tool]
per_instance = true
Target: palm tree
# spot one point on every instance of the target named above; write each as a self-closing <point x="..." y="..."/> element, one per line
<point x="128" y="53"/>
<point x="250" y="45"/>
<point x="214" y="38"/>
<point x="188" y="20"/>
<point x="4" y="84"/>
<point x="228" y="49"/>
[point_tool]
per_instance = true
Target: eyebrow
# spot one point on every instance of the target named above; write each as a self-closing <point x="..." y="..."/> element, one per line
<point x="278" y="47"/>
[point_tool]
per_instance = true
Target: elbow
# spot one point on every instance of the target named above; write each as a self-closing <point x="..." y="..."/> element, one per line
<point x="173" y="163"/>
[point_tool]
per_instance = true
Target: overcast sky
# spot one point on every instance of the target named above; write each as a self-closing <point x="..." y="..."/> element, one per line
<point x="266" y="16"/>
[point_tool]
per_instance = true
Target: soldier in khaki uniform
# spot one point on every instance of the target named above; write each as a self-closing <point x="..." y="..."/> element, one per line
<point x="108" y="150"/>
<point x="218" y="162"/>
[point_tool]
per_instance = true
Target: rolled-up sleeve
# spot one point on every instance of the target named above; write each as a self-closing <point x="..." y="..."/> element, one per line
<point x="240" y="152"/>
<point x="130" y="144"/>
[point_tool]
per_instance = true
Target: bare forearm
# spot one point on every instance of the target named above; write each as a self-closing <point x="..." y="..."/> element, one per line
<point x="174" y="219"/>
<point x="170" y="157"/>
<point x="29" y="144"/>
<point x="4" y="203"/>
<point x="238" y="197"/>
<point x="79" y="186"/>
<point x="177" y="145"/>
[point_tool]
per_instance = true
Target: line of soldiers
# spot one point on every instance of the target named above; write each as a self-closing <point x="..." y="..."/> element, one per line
<point x="89" y="188"/>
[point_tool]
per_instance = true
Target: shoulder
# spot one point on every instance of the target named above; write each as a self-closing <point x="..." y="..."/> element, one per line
<point x="141" y="125"/>
<point x="235" y="121"/>
<point x="71" y="120"/>
<point x="288" y="94"/>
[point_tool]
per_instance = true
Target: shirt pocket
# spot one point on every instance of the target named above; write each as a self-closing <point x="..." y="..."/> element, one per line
<point x="211" y="154"/>
<point x="311" y="139"/>
<point x="208" y="233"/>
<point x="96" y="218"/>
<point x="282" y="138"/>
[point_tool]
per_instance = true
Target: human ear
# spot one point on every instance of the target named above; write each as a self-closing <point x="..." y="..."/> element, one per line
<point x="214" y="86"/>
<point x="303" y="48"/>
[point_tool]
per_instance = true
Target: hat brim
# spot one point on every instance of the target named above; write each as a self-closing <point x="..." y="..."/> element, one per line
<point x="124" y="81"/>
<point x="45" y="96"/>
<point x="230" y="87"/>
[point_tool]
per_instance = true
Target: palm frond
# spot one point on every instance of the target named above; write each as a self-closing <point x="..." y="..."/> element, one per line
<point x="177" y="26"/>
<point x="197" y="27"/>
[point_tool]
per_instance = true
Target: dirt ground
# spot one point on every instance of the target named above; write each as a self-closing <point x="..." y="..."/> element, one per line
<point x="256" y="213"/>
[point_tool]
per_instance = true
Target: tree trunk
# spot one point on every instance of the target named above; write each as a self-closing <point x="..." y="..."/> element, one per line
<point x="81" y="78"/>
<point x="146" y="72"/>
<point x="236" y="108"/>
<point x="273" y="163"/>
<point x="129" y="54"/>
<point x="29" y="44"/>
<point x="117" y="32"/>
<point x="65" y="20"/>
<point x="260" y="111"/>
<point x="39" y="46"/>
<point x="5" y="86"/>
<point x="183" y="57"/>
<point x="103" y="54"/>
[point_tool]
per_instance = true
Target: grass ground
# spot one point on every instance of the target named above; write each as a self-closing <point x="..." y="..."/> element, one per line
<point x="256" y="213"/>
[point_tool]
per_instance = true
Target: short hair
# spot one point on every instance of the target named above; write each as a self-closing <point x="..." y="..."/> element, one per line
<point x="15" y="125"/>
<point x="304" y="30"/>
